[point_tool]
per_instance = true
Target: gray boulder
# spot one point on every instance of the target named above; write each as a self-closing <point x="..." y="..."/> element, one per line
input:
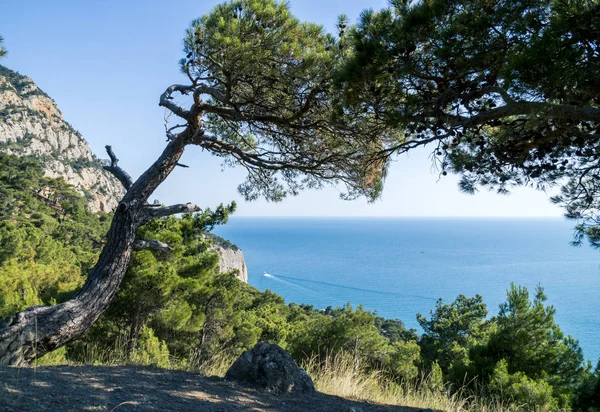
<point x="269" y="367"/>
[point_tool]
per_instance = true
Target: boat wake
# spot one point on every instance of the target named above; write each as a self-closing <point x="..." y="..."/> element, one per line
<point x="293" y="281"/>
<point x="278" y="279"/>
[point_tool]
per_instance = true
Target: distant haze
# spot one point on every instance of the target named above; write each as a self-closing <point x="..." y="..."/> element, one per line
<point x="106" y="63"/>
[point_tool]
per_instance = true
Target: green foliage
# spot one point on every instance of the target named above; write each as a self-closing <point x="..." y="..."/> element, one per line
<point x="526" y="324"/>
<point x="2" y="49"/>
<point x="344" y="330"/>
<point x="150" y="350"/>
<point x="177" y="297"/>
<point x="452" y="330"/>
<point x="520" y="353"/>
<point x="394" y="330"/>
<point x="48" y="238"/>
<point x="533" y="344"/>
<point x="435" y="380"/>
<point x="267" y="78"/>
<point x="505" y="93"/>
<point x="403" y="360"/>
<point x="57" y="357"/>
<point x="588" y="396"/>
<point x="532" y="394"/>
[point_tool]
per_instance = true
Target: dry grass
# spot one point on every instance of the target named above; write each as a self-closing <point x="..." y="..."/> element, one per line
<point x="96" y="354"/>
<point x="216" y="366"/>
<point x="338" y="377"/>
<point x="117" y="355"/>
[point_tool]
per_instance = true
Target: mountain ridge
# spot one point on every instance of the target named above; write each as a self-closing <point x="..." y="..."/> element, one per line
<point x="32" y="125"/>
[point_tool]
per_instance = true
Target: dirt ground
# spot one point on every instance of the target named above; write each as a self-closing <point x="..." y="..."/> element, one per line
<point x="120" y="388"/>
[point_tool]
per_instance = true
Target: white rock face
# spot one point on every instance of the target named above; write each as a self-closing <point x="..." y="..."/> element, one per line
<point x="232" y="258"/>
<point x="31" y="124"/>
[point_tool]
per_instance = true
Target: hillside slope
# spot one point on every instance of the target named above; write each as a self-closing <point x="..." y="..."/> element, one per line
<point x="32" y="124"/>
<point x="63" y="388"/>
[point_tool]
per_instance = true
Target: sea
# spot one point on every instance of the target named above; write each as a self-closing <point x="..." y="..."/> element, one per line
<point x="398" y="267"/>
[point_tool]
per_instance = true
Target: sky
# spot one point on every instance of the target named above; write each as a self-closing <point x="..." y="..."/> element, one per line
<point x="106" y="62"/>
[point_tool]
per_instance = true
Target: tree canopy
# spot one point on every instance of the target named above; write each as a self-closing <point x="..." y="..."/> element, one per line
<point x="507" y="93"/>
<point x="262" y="88"/>
<point x="520" y="354"/>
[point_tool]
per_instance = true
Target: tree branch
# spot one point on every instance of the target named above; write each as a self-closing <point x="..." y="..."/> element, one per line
<point x="231" y="112"/>
<point x="251" y="159"/>
<point x="166" y="100"/>
<point x="152" y="211"/>
<point x="211" y="91"/>
<point x="116" y="171"/>
<point x="152" y="245"/>
<point x="560" y="111"/>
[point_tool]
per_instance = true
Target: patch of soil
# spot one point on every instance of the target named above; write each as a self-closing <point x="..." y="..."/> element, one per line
<point x="124" y="388"/>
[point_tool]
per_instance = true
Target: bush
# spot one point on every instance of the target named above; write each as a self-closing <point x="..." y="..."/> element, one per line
<point x="531" y="394"/>
<point x="150" y="350"/>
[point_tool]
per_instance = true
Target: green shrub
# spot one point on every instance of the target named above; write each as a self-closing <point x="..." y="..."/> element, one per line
<point x="531" y="394"/>
<point x="150" y="350"/>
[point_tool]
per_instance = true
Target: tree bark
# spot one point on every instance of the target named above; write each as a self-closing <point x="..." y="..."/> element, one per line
<point x="134" y="331"/>
<point x="35" y="331"/>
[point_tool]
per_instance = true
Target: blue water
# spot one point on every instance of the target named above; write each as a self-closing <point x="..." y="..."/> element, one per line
<point x="399" y="267"/>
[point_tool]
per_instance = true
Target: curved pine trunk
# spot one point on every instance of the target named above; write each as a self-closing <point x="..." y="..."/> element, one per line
<point x="38" y="330"/>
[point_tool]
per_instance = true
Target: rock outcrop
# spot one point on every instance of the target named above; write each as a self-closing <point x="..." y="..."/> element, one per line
<point x="31" y="124"/>
<point x="231" y="258"/>
<point x="269" y="367"/>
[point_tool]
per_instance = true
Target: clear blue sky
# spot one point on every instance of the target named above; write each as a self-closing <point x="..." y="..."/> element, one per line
<point x="106" y="62"/>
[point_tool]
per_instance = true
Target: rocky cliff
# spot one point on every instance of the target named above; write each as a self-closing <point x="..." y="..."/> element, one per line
<point x="231" y="258"/>
<point x="31" y="124"/>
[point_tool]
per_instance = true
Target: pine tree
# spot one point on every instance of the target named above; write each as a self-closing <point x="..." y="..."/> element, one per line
<point x="503" y="93"/>
<point x="2" y="49"/>
<point x="531" y="344"/>
<point x="452" y="330"/>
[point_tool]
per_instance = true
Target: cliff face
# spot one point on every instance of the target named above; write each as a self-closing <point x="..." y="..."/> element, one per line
<point x="31" y="124"/>
<point x="231" y="258"/>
